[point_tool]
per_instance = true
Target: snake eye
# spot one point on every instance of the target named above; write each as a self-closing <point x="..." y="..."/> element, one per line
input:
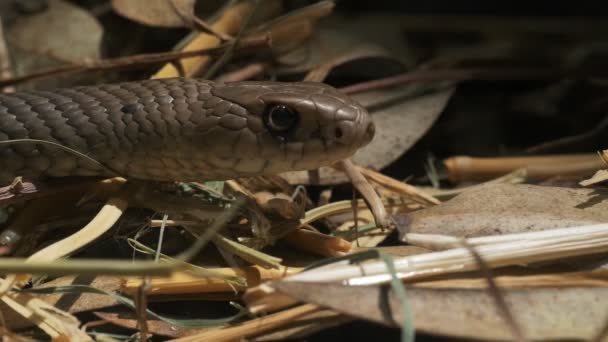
<point x="280" y="118"/>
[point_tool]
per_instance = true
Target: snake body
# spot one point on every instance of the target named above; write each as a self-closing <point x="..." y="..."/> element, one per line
<point x="179" y="129"/>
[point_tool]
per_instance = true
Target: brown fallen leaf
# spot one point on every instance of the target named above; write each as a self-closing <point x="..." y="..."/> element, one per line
<point x="543" y="314"/>
<point x="162" y="13"/>
<point x="526" y="278"/>
<point x="496" y="209"/>
<point x="62" y="33"/>
<point x="294" y="28"/>
<point x="188" y="283"/>
<point x="341" y="39"/>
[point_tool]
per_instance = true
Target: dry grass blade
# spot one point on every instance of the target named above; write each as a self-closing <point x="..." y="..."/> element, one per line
<point x="135" y="61"/>
<point x="496" y="294"/>
<point x="338" y="207"/>
<point x="101" y="223"/>
<point x="88" y="267"/>
<point x="585" y="241"/>
<point x="518" y="176"/>
<point x="317" y="243"/>
<point x="253" y="327"/>
<point x="228" y="23"/>
<point x="246" y="253"/>
<point x="463" y="168"/>
<point x="182" y="282"/>
<point x="367" y="191"/>
<point x="544" y="280"/>
<point x="399" y="187"/>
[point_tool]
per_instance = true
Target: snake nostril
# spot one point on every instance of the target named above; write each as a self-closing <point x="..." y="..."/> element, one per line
<point x="371" y="130"/>
<point x="369" y="133"/>
<point x="338" y="133"/>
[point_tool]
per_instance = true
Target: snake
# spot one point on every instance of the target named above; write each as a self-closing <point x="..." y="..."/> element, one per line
<point x="178" y="129"/>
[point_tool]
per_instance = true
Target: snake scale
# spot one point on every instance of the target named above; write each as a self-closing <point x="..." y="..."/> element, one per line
<point x="179" y="129"/>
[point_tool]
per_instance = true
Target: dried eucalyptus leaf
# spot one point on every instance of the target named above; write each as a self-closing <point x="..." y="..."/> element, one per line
<point x="543" y="314"/>
<point x="63" y="32"/>
<point x="496" y="209"/>
<point x="340" y="35"/>
<point x="162" y="13"/>
<point x="400" y="122"/>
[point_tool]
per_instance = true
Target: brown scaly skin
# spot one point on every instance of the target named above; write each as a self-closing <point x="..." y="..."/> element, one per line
<point x="178" y="129"/>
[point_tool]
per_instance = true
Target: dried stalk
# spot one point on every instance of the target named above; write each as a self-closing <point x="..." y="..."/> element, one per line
<point x="464" y="168"/>
<point x="577" y="241"/>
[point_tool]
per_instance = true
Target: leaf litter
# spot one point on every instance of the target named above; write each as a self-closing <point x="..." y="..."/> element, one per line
<point x="472" y="209"/>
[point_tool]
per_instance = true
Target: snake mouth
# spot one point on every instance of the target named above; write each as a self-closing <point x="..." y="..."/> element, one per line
<point x="369" y="134"/>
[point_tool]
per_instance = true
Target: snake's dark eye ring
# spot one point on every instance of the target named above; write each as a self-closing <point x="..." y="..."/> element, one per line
<point x="280" y="119"/>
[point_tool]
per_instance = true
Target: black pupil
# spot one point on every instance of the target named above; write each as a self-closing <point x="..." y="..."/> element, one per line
<point x="281" y="117"/>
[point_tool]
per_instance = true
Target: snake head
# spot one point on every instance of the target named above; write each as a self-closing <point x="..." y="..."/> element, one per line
<point x="291" y="126"/>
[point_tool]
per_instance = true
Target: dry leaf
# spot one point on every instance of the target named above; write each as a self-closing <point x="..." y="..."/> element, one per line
<point x="162" y="13"/>
<point x="548" y="313"/>
<point x="63" y="33"/>
<point x="399" y="121"/>
<point x="292" y="29"/>
<point x="340" y="36"/>
<point x="495" y="209"/>
<point x="598" y="177"/>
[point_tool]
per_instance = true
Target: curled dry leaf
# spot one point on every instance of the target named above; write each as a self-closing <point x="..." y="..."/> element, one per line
<point x="543" y="314"/>
<point x="496" y="209"/>
<point x="163" y="13"/>
<point x="274" y="195"/>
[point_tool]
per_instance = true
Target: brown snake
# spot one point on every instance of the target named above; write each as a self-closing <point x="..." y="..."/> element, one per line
<point x="178" y="129"/>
